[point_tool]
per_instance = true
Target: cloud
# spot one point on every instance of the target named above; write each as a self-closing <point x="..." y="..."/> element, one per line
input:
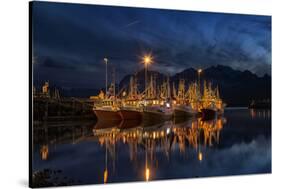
<point x="79" y="37"/>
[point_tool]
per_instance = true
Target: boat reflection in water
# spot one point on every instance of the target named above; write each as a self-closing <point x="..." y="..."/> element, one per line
<point x="49" y="135"/>
<point x="126" y="151"/>
<point x="148" y="140"/>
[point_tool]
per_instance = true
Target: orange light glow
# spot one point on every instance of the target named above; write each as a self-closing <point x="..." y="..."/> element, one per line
<point x="44" y="152"/>
<point x="147" y="59"/>
<point x="200" y="156"/>
<point x="105" y="176"/>
<point x="147" y="174"/>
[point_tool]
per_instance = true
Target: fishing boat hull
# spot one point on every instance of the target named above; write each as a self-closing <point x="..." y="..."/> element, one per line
<point x="107" y="115"/>
<point x="154" y="116"/>
<point x="130" y="114"/>
<point x="184" y="112"/>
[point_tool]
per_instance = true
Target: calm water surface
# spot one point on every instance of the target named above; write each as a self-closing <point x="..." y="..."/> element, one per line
<point x="86" y="153"/>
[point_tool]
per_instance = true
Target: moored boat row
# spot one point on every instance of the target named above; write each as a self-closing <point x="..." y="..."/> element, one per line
<point x="158" y="102"/>
<point x="209" y="105"/>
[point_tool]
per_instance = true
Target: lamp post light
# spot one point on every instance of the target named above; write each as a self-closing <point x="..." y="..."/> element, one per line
<point x="147" y="59"/>
<point x="199" y="72"/>
<point x="105" y="61"/>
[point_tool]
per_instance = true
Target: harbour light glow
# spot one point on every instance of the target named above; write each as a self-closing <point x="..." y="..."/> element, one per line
<point x="200" y="156"/>
<point x="147" y="59"/>
<point x="168" y="130"/>
<point x="147" y="174"/>
<point x="105" y="176"/>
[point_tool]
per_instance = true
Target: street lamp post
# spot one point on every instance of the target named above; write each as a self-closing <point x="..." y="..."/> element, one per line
<point x="145" y="86"/>
<point x="199" y="72"/>
<point x="146" y="61"/>
<point x="105" y="61"/>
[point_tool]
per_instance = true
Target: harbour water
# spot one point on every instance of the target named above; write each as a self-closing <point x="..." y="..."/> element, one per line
<point x="67" y="153"/>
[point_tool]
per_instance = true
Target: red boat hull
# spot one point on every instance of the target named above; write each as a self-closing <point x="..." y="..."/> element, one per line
<point x="130" y="115"/>
<point x="106" y="115"/>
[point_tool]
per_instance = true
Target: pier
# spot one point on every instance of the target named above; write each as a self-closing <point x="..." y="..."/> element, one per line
<point x="50" y="106"/>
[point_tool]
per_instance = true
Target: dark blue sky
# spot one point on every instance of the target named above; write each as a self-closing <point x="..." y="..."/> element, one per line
<point x="70" y="41"/>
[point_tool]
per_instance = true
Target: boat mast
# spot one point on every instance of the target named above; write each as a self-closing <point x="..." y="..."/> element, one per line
<point x="174" y="90"/>
<point x="181" y="90"/>
<point x="113" y="80"/>
<point x="168" y="88"/>
<point x="105" y="61"/>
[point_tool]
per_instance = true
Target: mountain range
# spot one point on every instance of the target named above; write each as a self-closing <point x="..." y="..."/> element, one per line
<point x="237" y="88"/>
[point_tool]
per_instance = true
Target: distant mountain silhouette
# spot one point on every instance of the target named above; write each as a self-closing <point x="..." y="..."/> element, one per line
<point x="237" y="88"/>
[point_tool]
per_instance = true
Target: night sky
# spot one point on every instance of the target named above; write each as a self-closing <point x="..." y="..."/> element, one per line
<point x="71" y="40"/>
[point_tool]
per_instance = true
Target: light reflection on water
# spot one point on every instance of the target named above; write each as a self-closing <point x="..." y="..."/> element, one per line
<point x="238" y="143"/>
<point x="161" y="138"/>
<point x="260" y="113"/>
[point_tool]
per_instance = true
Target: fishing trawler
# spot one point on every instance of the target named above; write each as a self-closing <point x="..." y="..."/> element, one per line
<point x="148" y="105"/>
<point x="107" y="109"/>
<point x="211" y="103"/>
<point x="207" y="104"/>
<point x="130" y="111"/>
<point x="158" y="112"/>
<point x="157" y="108"/>
<point x="108" y="106"/>
<point x="182" y="106"/>
<point x="131" y="108"/>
